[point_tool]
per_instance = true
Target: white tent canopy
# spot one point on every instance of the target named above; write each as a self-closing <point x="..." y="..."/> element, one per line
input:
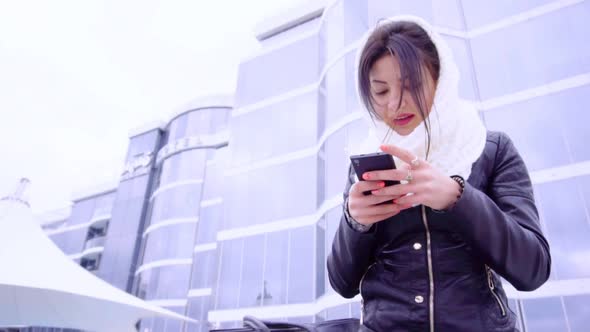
<point x="40" y="286"/>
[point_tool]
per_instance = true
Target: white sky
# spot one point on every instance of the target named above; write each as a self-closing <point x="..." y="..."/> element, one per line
<point x="76" y="76"/>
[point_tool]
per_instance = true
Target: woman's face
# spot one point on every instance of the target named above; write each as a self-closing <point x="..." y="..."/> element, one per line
<point x="386" y="87"/>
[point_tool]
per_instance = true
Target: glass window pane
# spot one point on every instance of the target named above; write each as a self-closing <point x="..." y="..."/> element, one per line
<point x="577" y="309"/>
<point x="251" y="290"/>
<point x="170" y="242"/>
<point x="338" y="312"/>
<point x="294" y="127"/>
<point x="186" y="165"/>
<point x="229" y="278"/>
<point x="478" y="14"/>
<point x="166" y="282"/>
<point x="204" y="269"/>
<point x="355" y="310"/>
<point x="568" y="229"/>
<point x="243" y="192"/>
<point x="301" y="262"/>
<point x="535" y="131"/>
<point x="141" y="144"/>
<point x="209" y="221"/>
<point x="544" y="315"/>
<point x="297" y="64"/>
<point x="82" y="211"/>
<point x="178" y="202"/>
<point x="197" y="309"/>
<point x="275" y="268"/>
<point x="537" y="51"/>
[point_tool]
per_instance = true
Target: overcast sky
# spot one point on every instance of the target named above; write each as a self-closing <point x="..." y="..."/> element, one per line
<point x="76" y="76"/>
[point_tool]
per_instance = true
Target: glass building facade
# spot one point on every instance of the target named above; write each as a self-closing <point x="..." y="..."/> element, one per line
<point x="226" y="212"/>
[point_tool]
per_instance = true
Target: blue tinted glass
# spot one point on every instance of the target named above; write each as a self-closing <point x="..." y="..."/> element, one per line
<point x="577" y="309"/>
<point x="178" y="202"/>
<point x="204" y="269"/>
<point x="275" y="268"/>
<point x="544" y="315"/>
<point x="177" y="128"/>
<point x="104" y="204"/>
<point x="229" y="278"/>
<point x="568" y="228"/>
<point x="547" y="140"/>
<point x="197" y="309"/>
<point x="251" y="289"/>
<point x="213" y="186"/>
<point x="483" y="13"/>
<point x="167" y="282"/>
<point x="533" y="52"/>
<point x="337" y="162"/>
<point x="355" y="310"/>
<point x="82" y="211"/>
<point x="243" y="191"/>
<point x="288" y="67"/>
<point x="294" y="127"/>
<point x="535" y="131"/>
<point x="462" y="57"/>
<point x="170" y="242"/>
<point x="186" y="165"/>
<point x="142" y="144"/>
<point x="301" y="263"/>
<point x="338" y="312"/>
<point x="209" y="221"/>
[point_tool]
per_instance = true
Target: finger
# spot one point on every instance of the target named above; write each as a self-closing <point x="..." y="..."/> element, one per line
<point x="397" y="190"/>
<point x="396" y="151"/>
<point x="360" y="187"/>
<point x="409" y="200"/>
<point x="389" y="174"/>
<point x="366" y="201"/>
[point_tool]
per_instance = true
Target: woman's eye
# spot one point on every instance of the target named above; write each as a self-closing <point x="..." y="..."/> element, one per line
<point x="380" y="93"/>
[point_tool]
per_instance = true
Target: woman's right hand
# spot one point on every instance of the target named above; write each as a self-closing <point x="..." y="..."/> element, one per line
<point x="364" y="209"/>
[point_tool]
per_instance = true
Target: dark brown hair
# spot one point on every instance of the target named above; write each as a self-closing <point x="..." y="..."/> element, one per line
<point x="415" y="52"/>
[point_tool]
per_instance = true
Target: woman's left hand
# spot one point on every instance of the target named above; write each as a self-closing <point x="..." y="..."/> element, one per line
<point x="425" y="185"/>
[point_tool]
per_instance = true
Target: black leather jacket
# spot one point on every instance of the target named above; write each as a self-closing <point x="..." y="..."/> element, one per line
<point x="424" y="270"/>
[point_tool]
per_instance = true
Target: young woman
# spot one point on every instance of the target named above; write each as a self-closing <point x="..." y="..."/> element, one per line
<point x="430" y="259"/>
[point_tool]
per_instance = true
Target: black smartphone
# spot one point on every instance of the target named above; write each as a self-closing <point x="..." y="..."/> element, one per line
<point x="377" y="161"/>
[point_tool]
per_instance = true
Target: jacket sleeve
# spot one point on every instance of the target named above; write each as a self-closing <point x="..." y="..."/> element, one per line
<point x="351" y="255"/>
<point x="503" y="225"/>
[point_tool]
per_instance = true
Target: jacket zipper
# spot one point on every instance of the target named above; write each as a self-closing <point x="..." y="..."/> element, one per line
<point x="361" y="292"/>
<point x="430" y="271"/>
<point x="492" y="288"/>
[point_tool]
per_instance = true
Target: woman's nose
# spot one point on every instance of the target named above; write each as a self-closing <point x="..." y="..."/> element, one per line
<point x="394" y="103"/>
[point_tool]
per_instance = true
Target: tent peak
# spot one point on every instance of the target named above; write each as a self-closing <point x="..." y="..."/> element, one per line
<point x="20" y="194"/>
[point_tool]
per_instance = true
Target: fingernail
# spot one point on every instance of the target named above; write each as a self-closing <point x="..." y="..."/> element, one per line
<point x="366" y="176"/>
<point x="395" y="201"/>
<point x="374" y="192"/>
<point x="381" y="184"/>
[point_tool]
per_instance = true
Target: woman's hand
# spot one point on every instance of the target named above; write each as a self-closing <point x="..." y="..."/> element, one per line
<point x="364" y="209"/>
<point x="425" y="185"/>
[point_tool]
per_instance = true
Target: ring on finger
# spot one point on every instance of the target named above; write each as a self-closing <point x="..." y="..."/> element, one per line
<point x="409" y="177"/>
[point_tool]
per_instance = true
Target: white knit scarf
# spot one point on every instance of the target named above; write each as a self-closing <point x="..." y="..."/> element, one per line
<point x="458" y="135"/>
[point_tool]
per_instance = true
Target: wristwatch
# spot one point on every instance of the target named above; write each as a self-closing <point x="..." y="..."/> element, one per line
<point x="353" y="223"/>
